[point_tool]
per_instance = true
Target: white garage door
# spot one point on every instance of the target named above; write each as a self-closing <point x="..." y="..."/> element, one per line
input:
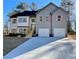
<point x="43" y="32"/>
<point x="59" y="32"/>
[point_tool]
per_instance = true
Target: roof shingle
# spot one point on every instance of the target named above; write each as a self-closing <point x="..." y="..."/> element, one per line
<point x="25" y="13"/>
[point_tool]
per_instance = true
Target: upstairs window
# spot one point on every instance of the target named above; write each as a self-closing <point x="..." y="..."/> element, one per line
<point x="46" y="18"/>
<point x="41" y="18"/>
<point x="14" y="21"/>
<point x="33" y="20"/>
<point x="59" y="18"/>
<point x="21" y="20"/>
<point x="24" y="19"/>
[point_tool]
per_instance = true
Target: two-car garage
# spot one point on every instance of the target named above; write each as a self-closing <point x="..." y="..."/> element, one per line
<point x="57" y="32"/>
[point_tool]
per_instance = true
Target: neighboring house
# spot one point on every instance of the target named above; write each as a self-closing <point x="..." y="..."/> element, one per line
<point x="49" y="21"/>
<point x="5" y="30"/>
<point x="22" y="22"/>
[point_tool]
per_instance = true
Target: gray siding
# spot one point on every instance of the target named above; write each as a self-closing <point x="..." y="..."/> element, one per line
<point x="44" y="13"/>
<point x="59" y="24"/>
<point x="55" y="23"/>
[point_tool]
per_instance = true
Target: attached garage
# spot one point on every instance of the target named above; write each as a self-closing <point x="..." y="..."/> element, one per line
<point x="43" y="32"/>
<point x="59" y="32"/>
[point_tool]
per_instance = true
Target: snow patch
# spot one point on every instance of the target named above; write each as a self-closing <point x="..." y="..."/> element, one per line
<point x="61" y="49"/>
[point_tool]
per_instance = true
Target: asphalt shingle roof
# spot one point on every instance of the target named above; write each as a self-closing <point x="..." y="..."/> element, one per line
<point x="25" y="13"/>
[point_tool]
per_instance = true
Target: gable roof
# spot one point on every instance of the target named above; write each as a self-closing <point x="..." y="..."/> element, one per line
<point x="33" y="13"/>
<point x="46" y="6"/>
<point x="60" y="9"/>
<point x="25" y="13"/>
<point x="57" y="8"/>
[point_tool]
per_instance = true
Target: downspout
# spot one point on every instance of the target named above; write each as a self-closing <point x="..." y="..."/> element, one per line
<point x="51" y="25"/>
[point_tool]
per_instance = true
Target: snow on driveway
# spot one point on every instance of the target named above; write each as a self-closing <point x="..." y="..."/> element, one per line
<point x="29" y="45"/>
<point x="61" y="49"/>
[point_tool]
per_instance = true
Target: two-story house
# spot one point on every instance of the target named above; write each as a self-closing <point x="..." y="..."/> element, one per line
<point x="22" y="22"/>
<point x="51" y="20"/>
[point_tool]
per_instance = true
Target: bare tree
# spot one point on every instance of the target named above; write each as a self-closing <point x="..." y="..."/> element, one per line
<point x="67" y="5"/>
<point x="33" y="6"/>
<point x="22" y="6"/>
<point x="13" y="12"/>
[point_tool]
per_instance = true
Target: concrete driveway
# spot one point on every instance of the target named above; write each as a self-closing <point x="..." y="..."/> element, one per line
<point x="29" y="45"/>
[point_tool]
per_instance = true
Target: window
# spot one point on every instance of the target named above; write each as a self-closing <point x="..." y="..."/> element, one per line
<point x="13" y="30"/>
<point x="46" y="18"/>
<point x="14" y="21"/>
<point x="22" y="20"/>
<point x="41" y="18"/>
<point x="33" y="20"/>
<point x="22" y="31"/>
<point x="59" y="18"/>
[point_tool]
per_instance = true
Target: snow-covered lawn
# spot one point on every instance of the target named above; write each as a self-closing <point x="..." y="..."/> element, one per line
<point x="60" y="49"/>
<point x="31" y="44"/>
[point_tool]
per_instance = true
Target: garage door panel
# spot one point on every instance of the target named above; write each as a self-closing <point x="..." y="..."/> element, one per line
<point x="43" y="32"/>
<point x="59" y="32"/>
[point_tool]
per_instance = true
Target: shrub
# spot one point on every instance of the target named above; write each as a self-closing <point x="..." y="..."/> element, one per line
<point x="12" y="34"/>
<point x="72" y="33"/>
<point x="16" y="34"/>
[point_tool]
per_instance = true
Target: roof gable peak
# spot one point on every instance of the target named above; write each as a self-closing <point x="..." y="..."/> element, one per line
<point x="47" y="6"/>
